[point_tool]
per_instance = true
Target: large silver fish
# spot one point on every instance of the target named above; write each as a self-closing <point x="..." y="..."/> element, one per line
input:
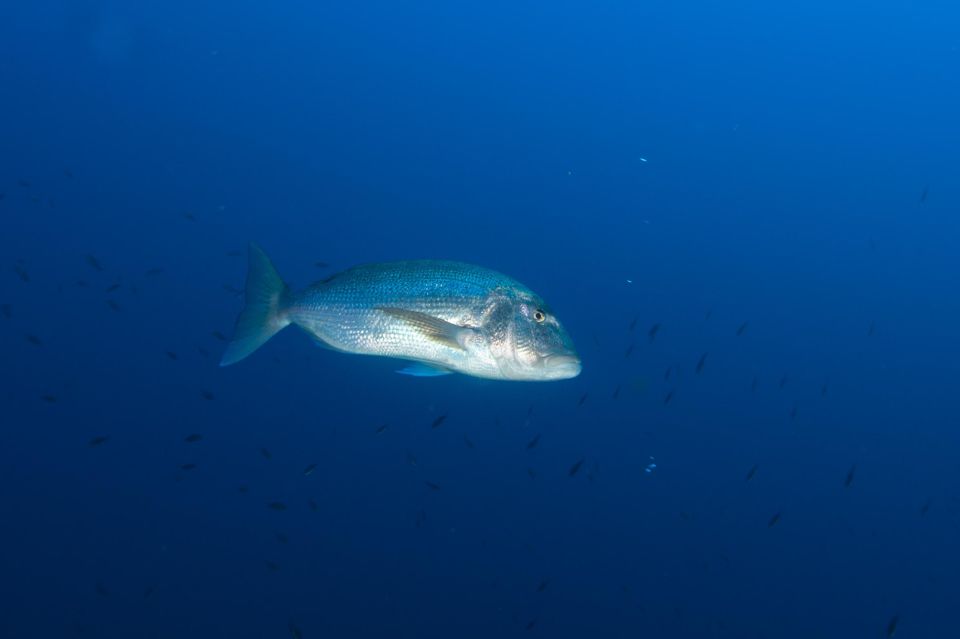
<point x="442" y="316"/>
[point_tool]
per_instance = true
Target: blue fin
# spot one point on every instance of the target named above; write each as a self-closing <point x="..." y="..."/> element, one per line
<point x="419" y="369"/>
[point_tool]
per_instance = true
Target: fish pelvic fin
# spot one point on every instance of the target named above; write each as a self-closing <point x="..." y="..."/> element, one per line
<point x="264" y="314"/>
<point x="429" y="326"/>
<point x="422" y="369"/>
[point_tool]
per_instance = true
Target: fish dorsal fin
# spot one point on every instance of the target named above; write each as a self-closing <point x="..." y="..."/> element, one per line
<point x="422" y="369"/>
<point x="431" y="327"/>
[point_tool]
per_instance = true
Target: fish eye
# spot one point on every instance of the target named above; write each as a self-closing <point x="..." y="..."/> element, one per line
<point x="539" y="316"/>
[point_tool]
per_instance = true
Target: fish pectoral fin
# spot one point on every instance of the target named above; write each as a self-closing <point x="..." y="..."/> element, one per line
<point x="429" y="326"/>
<point x="422" y="369"/>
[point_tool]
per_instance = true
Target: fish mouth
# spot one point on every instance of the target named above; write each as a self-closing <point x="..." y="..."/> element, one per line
<point x="564" y="366"/>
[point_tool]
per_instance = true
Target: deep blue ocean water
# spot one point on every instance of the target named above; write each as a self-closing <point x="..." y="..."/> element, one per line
<point x="769" y="189"/>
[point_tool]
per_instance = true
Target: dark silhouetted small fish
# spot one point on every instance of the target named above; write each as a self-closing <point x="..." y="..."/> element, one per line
<point x="701" y="363"/>
<point x="823" y="390"/>
<point x="203" y="352"/>
<point x="193" y="438"/>
<point x="381" y="428"/>
<point x="94" y="263"/>
<point x="99" y="439"/>
<point x="926" y="507"/>
<point x="895" y="620"/>
<point x="81" y="284"/>
<point x="153" y="272"/>
<point x="113" y="306"/>
<point x="207" y="395"/>
<point x="633" y="324"/>
<point x="6" y="310"/>
<point x="583" y="399"/>
<point x="783" y="381"/>
<point x="438" y="421"/>
<point x="753" y="385"/>
<point x="850" y="475"/>
<point x="277" y="505"/>
<point x="793" y="411"/>
<point x="421" y="518"/>
<point x="313" y="505"/>
<point x="172" y="355"/>
<point x="266" y="453"/>
<point x="24" y="183"/>
<point x="243" y="489"/>
<point x="466" y="440"/>
<point x="742" y="329"/>
<point x="235" y="253"/>
<point x="532" y="473"/>
<point x="431" y="485"/>
<point x="411" y="459"/>
<point x="773" y="520"/>
<point x="533" y="442"/>
<point x="628" y="352"/>
<point x="190" y="216"/>
<point x="148" y="591"/>
<point x="666" y="374"/>
<point x="283" y="539"/>
<point x="531" y="624"/>
<point x="667" y="398"/>
<point x="309" y="470"/>
<point x="188" y="467"/>
<point x="616" y="392"/>
<point x="50" y="399"/>
<point x="752" y="472"/>
<point x="295" y="631"/>
<point x="575" y="468"/>
<point x="652" y="333"/>
<point x="543" y="585"/>
<point x="22" y="274"/>
<point x="321" y="264"/>
<point x="708" y="314"/>
<point x="872" y="329"/>
<point x="233" y="290"/>
<point x="220" y="336"/>
<point x="101" y="589"/>
<point x="113" y="287"/>
<point x="272" y="567"/>
<point x="923" y="195"/>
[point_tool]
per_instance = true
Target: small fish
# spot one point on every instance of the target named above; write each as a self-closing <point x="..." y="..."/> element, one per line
<point x="895" y="620"/>
<point x="666" y="374"/>
<point x="628" y="352"/>
<point x="466" y="440"/>
<point x="753" y="385"/>
<point x="153" y="272"/>
<point x="23" y="183"/>
<point x="171" y="355"/>
<point x="207" y="395"/>
<point x="543" y="585"/>
<point x="411" y="459"/>
<point x="583" y="399"/>
<point x="708" y="315"/>
<point x="531" y="473"/>
<point x="113" y="306"/>
<point x="652" y="333"/>
<point x="421" y="518"/>
<point x="188" y="467"/>
<point x="850" y="474"/>
<point x="193" y="438"/>
<point x="309" y="470"/>
<point x="233" y="290"/>
<point x="871" y="329"/>
<point x="773" y="520"/>
<point x="283" y="539"/>
<point x="533" y="442"/>
<point x="272" y="567"/>
<point x="313" y="505"/>
<point x="94" y="263"/>
<point x="616" y="392"/>
<point x="783" y="382"/>
<point x="742" y="329"/>
<point x="633" y="324"/>
<point x="98" y="440"/>
<point x="823" y="390"/>
<point x="113" y="287"/>
<point x="266" y="453"/>
<point x="148" y="591"/>
<point x="295" y="631"/>
<point x="575" y="468"/>
<point x="243" y="489"/>
<point x="667" y="398"/>
<point x="22" y="274"/>
<point x="431" y="485"/>
<point x="101" y="589"/>
<point x="6" y="310"/>
<point x="190" y="216"/>
<point x="203" y="352"/>
<point x="701" y="363"/>
<point x="923" y="195"/>
<point x="438" y="421"/>
<point x="50" y="399"/>
<point x="381" y="428"/>
<point x="235" y="253"/>
<point x="321" y="264"/>
<point x="752" y="472"/>
<point x="218" y="335"/>
<point x="793" y="411"/>
<point x="277" y="505"/>
<point x="926" y="507"/>
<point x="531" y="624"/>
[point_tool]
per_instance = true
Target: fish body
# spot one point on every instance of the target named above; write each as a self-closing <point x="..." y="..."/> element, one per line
<point x="443" y="316"/>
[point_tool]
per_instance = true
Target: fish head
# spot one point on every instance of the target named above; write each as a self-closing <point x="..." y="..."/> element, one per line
<point x="526" y="339"/>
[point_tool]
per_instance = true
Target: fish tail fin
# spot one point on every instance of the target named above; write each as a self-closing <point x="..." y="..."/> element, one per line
<point x="264" y="314"/>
